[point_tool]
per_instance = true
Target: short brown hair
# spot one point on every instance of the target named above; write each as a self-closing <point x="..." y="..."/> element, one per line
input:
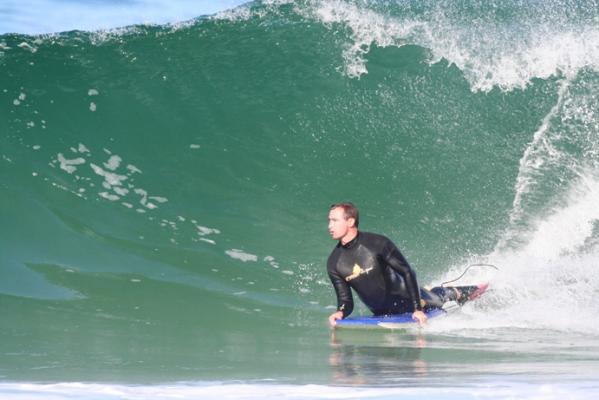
<point x="349" y="211"/>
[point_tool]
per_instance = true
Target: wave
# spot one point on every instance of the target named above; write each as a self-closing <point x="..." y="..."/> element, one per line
<point x="198" y="161"/>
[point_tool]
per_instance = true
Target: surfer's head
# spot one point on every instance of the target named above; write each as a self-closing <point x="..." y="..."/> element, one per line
<point x="343" y="221"/>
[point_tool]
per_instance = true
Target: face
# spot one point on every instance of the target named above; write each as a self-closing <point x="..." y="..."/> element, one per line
<point x="338" y="225"/>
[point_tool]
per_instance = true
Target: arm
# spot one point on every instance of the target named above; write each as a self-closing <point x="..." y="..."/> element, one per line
<point x="397" y="261"/>
<point x="345" y="302"/>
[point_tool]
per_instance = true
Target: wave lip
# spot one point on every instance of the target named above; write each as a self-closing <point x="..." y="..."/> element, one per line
<point x="490" y="50"/>
<point x="34" y="17"/>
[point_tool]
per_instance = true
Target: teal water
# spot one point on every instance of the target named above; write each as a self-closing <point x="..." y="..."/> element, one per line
<point x="165" y="192"/>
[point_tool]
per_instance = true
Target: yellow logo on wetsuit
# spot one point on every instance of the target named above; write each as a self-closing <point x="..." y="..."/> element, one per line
<point x="357" y="271"/>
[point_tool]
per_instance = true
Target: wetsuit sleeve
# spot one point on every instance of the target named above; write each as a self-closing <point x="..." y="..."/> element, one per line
<point x="397" y="261"/>
<point x="345" y="301"/>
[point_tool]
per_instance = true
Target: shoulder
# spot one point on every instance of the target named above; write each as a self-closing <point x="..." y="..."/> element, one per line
<point x="378" y="243"/>
<point x="374" y="238"/>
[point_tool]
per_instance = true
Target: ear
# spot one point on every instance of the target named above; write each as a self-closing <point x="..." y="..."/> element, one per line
<point x="351" y="222"/>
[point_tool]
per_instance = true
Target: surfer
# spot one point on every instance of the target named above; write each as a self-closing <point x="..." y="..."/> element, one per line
<point x="375" y="269"/>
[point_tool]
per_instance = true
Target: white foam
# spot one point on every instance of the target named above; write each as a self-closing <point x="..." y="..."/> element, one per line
<point x="69" y="165"/>
<point x="484" y="51"/>
<point x="133" y="169"/>
<point x="224" y="390"/>
<point x="489" y="58"/>
<point x="159" y="199"/>
<point x="203" y="231"/>
<point x="535" y="156"/>
<point x="241" y="255"/>
<point x="27" y="46"/>
<point x="368" y="28"/>
<point x="109" y="196"/>
<point x="121" y="191"/>
<point x="567" y="229"/>
<point x="110" y="178"/>
<point x="113" y="162"/>
<point x="241" y="13"/>
<point x="143" y="194"/>
<point x="563" y="154"/>
<point x="271" y="260"/>
<point x="549" y="281"/>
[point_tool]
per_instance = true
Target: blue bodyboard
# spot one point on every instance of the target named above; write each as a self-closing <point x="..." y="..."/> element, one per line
<point x="399" y="321"/>
<point x="396" y="321"/>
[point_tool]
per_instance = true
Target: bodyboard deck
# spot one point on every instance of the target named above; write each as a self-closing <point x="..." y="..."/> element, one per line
<point x="385" y="321"/>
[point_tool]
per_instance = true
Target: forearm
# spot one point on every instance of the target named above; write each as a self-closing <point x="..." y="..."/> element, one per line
<point x="413" y="290"/>
<point x="345" y="302"/>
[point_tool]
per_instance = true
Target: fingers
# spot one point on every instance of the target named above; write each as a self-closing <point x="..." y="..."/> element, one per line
<point x="332" y="322"/>
<point x="419" y="317"/>
<point x="333" y="319"/>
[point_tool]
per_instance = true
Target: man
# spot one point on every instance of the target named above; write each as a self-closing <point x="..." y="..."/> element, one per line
<point x="375" y="269"/>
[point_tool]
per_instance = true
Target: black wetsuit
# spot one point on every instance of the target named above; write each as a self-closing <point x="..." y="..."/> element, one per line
<point x="375" y="268"/>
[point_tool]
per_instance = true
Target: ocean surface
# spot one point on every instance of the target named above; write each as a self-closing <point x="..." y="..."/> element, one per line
<point x="164" y="191"/>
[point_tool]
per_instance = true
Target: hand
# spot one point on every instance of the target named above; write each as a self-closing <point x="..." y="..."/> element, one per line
<point x="419" y="317"/>
<point x="334" y="317"/>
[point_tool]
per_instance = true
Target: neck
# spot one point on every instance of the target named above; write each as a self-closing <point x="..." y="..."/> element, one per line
<point x="349" y="236"/>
